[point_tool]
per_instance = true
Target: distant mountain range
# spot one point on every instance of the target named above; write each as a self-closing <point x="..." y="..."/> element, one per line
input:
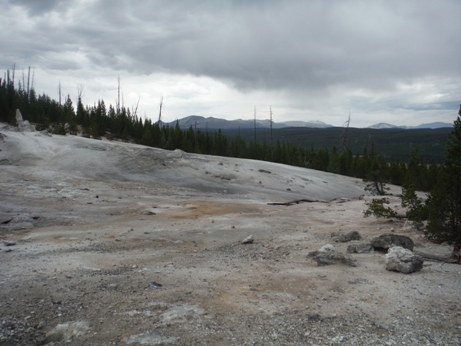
<point x="199" y="122"/>
<point x="434" y="125"/>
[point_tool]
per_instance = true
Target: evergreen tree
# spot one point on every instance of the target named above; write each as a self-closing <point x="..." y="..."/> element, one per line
<point x="69" y="115"/>
<point x="444" y="202"/>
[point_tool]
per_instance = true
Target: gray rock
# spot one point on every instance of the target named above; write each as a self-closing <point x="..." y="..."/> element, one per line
<point x="9" y="243"/>
<point x="248" y="240"/>
<point x="19" y="118"/>
<point x="146" y="212"/>
<point x="149" y="338"/>
<point x="403" y="260"/>
<point x="327" y="255"/>
<point x="327" y="248"/>
<point x="327" y="258"/>
<point x="344" y="238"/>
<point x="386" y="241"/>
<point x="23" y="125"/>
<point x="360" y="248"/>
<point x="66" y="332"/>
<point x="153" y="285"/>
<point x="324" y="248"/>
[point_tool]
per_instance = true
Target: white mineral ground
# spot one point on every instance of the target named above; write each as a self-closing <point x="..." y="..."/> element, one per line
<point x="144" y="246"/>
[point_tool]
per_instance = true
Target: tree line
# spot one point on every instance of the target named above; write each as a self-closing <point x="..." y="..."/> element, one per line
<point x="121" y="123"/>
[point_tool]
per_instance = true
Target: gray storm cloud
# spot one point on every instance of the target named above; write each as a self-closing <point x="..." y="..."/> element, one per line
<point x="301" y="47"/>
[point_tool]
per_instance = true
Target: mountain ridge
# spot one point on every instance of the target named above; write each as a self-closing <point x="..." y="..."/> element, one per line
<point x="433" y="125"/>
<point x="201" y="122"/>
<point x="212" y="123"/>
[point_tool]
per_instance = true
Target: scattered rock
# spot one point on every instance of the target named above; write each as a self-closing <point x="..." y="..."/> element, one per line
<point x="146" y="212"/>
<point x="409" y="225"/>
<point x="176" y="154"/>
<point x="248" y="240"/>
<point x="327" y="255"/>
<point x="386" y="241"/>
<point x="264" y="171"/>
<point x="344" y="238"/>
<point x="360" y="248"/>
<point x="46" y="133"/>
<point x="181" y="312"/>
<point x="403" y="260"/>
<point x="154" y="284"/>
<point x="18" y="222"/>
<point x="327" y="248"/>
<point x="66" y="331"/>
<point x="149" y="338"/>
<point x="225" y="176"/>
<point x="9" y="243"/>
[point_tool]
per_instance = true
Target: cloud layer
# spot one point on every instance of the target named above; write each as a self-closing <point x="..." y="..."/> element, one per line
<point x="390" y="61"/>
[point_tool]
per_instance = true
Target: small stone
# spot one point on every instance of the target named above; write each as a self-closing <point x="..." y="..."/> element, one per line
<point x="154" y="284"/>
<point x="248" y="240"/>
<point x="146" y="212"/>
<point x="9" y="243"/>
<point x="360" y="248"/>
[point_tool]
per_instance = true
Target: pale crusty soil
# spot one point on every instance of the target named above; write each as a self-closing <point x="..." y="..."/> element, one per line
<point x="99" y="226"/>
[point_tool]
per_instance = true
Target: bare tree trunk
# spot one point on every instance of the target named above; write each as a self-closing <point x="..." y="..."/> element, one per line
<point x="255" y="124"/>
<point x="272" y="144"/>
<point x="28" y="83"/>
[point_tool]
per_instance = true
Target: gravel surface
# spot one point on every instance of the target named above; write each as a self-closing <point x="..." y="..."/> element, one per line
<point x="106" y="243"/>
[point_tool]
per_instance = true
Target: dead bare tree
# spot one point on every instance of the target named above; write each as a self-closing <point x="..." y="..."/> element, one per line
<point x="33" y="77"/>
<point x="23" y="81"/>
<point x="12" y="75"/>
<point x="160" y="113"/>
<point x="272" y="143"/>
<point x="135" y="110"/>
<point x="28" y="83"/>
<point x="345" y="134"/>
<point x="255" y="123"/>
<point x="118" y="96"/>
<point x="80" y="91"/>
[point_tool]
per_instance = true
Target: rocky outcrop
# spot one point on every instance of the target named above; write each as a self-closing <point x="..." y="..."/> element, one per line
<point x="23" y="125"/>
<point x="386" y="241"/>
<point x="327" y="255"/>
<point x="403" y="260"/>
<point x="339" y="237"/>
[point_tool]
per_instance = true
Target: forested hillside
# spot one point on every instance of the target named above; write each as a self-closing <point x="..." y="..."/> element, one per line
<point x="394" y="144"/>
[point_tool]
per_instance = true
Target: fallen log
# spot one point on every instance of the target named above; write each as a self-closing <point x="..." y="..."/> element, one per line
<point x="432" y="257"/>
<point x="294" y="202"/>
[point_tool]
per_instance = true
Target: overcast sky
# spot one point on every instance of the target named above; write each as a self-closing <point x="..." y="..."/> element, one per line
<point x="382" y="61"/>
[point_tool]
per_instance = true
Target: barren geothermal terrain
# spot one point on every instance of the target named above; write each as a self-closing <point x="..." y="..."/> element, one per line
<point x="109" y="243"/>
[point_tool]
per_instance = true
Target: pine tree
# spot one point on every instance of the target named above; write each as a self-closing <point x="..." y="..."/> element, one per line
<point x="444" y="202"/>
